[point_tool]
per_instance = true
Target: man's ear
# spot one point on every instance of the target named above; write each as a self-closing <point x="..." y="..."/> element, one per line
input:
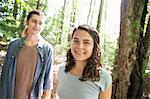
<point x="27" y="22"/>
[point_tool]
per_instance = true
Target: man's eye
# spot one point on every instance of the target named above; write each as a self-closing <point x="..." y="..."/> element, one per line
<point x="76" y="41"/>
<point x="40" y="23"/>
<point x="33" y="21"/>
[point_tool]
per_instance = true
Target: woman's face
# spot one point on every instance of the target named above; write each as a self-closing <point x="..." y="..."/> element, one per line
<point x="35" y="24"/>
<point x="82" y="45"/>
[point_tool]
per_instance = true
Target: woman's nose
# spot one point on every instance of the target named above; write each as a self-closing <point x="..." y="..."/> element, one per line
<point x="80" y="45"/>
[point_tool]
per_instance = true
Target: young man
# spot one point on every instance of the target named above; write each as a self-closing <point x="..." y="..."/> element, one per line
<point x="27" y="66"/>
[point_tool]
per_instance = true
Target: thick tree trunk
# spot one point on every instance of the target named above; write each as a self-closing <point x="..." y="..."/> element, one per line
<point x="135" y="90"/>
<point x="131" y="13"/>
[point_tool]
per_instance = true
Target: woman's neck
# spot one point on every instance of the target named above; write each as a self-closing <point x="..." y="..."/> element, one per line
<point x="78" y="68"/>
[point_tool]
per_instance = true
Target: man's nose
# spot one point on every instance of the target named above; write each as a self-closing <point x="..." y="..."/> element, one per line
<point x="37" y="25"/>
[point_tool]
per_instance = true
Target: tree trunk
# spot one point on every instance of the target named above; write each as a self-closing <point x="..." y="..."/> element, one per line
<point x="131" y="13"/>
<point x="135" y="90"/>
<point x="15" y="9"/>
<point x="92" y="13"/>
<point x="146" y="47"/>
<point x="100" y="15"/>
<point x="72" y="17"/>
<point x="62" y="22"/>
<point x="38" y="4"/>
<point x="23" y="15"/>
<point x="73" y="13"/>
<point x="90" y="10"/>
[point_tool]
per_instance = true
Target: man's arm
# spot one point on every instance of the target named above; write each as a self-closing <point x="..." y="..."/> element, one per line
<point x="48" y="79"/>
<point x="46" y="94"/>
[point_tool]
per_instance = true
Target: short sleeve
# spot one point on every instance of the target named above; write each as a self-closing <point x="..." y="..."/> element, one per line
<point x="105" y="79"/>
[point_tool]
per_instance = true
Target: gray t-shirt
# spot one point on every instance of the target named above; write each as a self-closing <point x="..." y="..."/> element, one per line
<point x="70" y="87"/>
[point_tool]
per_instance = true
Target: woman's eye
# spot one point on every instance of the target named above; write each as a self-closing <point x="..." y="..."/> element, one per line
<point x="87" y="42"/>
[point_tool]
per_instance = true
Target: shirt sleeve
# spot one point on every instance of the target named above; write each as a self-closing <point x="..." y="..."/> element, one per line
<point x="48" y="79"/>
<point x="105" y="79"/>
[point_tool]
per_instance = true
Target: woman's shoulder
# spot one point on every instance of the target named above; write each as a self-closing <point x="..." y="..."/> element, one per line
<point x="62" y="66"/>
<point x="105" y="72"/>
<point x="105" y="78"/>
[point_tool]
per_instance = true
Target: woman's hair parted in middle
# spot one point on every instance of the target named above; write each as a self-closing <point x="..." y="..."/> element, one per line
<point x="91" y="70"/>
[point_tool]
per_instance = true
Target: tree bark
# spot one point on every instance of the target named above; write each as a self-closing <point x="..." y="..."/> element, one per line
<point x="135" y="90"/>
<point x="15" y="9"/>
<point x="100" y="15"/>
<point x="131" y="13"/>
<point x="62" y="22"/>
<point x="73" y="13"/>
<point x="38" y="4"/>
<point x="90" y="11"/>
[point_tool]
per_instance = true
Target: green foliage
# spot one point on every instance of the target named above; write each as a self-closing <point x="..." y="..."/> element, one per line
<point x="108" y="55"/>
<point x="147" y="17"/>
<point x="52" y="29"/>
<point x="8" y="30"/>
<point x="52" y="33"/>
<point x="12" y="14"/>
<point x="9" y="24"/>
<point x="147" y="70"/>
<point x="147" y="73"/>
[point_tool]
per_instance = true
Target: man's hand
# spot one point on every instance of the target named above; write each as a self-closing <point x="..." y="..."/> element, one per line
<point x="46" y="94"/>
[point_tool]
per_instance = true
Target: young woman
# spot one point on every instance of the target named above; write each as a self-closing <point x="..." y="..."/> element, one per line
<point x="83" y="76"/>
<point x="27" y="66"/>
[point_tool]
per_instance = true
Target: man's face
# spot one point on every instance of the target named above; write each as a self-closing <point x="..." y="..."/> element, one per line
<point x="36" y="24"/>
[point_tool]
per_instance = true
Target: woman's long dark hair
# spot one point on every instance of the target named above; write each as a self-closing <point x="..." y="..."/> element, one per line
<point x="92" y="68"/>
